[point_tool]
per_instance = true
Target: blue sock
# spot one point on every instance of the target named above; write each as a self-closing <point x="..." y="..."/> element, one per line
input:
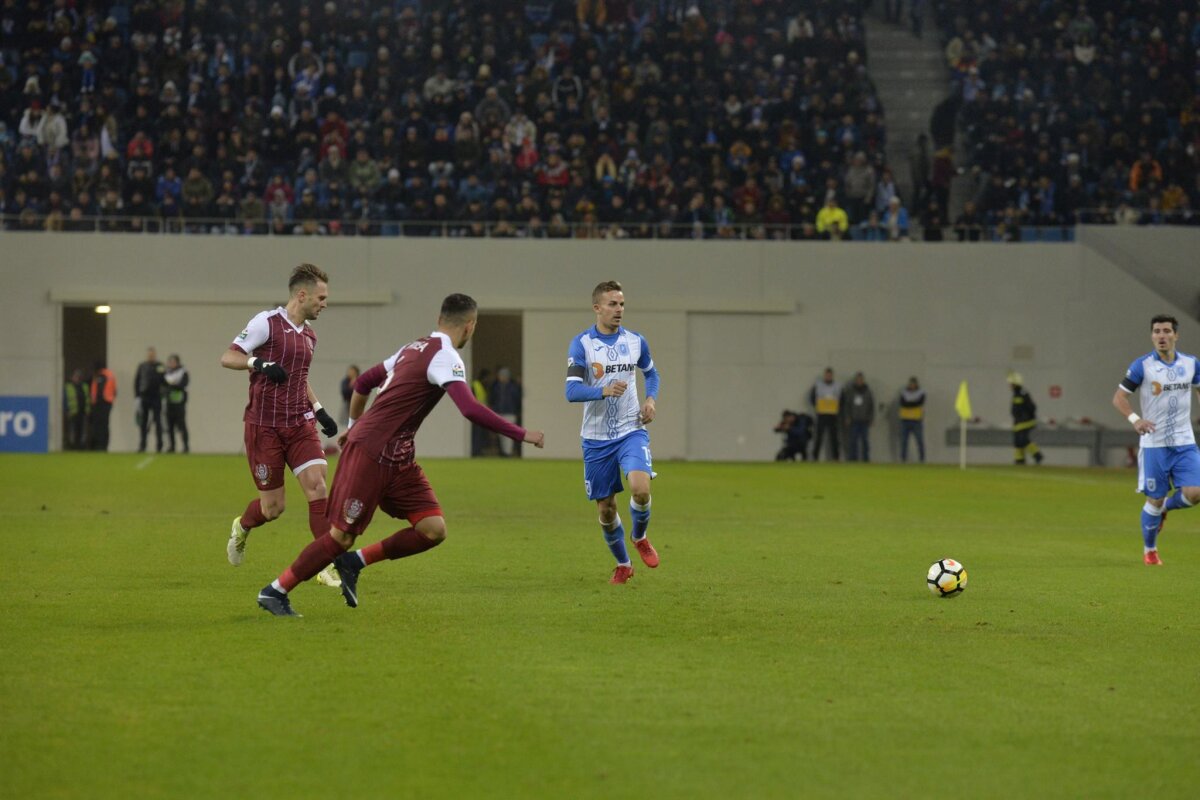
<point x="641" y="518"/>
<point x="615" y="539"/>
<point x="1175" y="501"/>
<point x="1151" y="519"/>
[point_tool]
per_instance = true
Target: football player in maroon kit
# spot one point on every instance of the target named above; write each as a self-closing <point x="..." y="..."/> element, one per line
<point x="378" y="467"/>
<point x="277" y="347"/>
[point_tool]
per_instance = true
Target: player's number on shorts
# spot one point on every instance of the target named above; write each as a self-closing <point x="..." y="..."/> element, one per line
<point x="649" y="461"/>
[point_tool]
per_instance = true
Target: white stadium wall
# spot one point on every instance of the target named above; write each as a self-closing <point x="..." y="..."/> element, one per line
<point x="739" y="331"/>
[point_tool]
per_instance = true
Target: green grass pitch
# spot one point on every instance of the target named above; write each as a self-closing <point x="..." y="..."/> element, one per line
<point x="787" y="647"/>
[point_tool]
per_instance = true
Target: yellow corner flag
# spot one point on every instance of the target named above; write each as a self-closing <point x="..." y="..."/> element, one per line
<point x="963" y="403"/>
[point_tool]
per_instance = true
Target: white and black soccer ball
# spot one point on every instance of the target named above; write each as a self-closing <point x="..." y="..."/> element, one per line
<point x="947" y="578"/>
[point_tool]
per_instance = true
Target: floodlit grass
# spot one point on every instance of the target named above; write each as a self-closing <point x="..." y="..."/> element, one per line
<point x="786" y="648"/>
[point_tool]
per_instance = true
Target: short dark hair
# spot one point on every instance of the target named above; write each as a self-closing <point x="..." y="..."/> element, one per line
<point x="458" y="308"/>
<point x="1165" y="318"/>
<point x="603" y="287"/>
<point x="306" y="275"/>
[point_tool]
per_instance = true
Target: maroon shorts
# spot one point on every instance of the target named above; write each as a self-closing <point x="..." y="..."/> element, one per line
<point x="269" y="449"/>
<point x="362" y="484"/>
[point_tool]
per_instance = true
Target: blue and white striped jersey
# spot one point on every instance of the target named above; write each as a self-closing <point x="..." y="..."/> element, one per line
<point x="1165" y="391"/>
<point x="595" y="359"/>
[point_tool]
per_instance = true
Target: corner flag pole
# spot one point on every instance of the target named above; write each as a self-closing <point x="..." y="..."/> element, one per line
<point x="962" y="444"/>
<point x="962" y="404"/>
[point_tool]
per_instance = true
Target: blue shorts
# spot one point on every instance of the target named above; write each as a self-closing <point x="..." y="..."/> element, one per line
<point x="1161" y="467"/>
<point x="604" y="462"/>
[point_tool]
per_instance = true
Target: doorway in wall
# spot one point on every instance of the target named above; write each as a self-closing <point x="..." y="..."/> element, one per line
<point x="498" y="344"/>
<point x="886" y="372"/>
<point x="84" y="342"/>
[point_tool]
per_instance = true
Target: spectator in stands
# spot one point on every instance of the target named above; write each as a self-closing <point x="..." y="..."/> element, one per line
<point x="969" y="225"/>
<point x="895" y="221"/>
<point x="859" y="184"/>
<point x="363" y="173"/>
<point x="872" y="229"/>
<point x="197" y="193"/>
<point x="1145" y="169"/>
<point x="832" y="222"/>
<point x="932" y="222"/>
<point x="885" y="190"/>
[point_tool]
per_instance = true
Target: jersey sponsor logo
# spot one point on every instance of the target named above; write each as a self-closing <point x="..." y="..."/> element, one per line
<point x="262" y="472"/>
<point x="611" y="368"/>
<point x="244" y="334"/>
<point x="1158" y="388"/>
<point x="458" y="371"/>
<point x="351" y="509"/>
<point x="597" y="370"/>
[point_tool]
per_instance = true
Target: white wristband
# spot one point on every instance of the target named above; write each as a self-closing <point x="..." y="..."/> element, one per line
<point x="1133" y="418"/>
<point x="317" y="407"/>
<point x="350" y="423"/>
<point x="251" y="362"/>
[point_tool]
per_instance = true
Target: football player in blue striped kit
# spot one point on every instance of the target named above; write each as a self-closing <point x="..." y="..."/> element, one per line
<point x="1164" y="379"/>
<point x="602" y="366"/>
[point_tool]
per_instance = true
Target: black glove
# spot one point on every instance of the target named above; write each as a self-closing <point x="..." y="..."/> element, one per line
<point x="328" y="426"/>
<point x="272" y="370"/>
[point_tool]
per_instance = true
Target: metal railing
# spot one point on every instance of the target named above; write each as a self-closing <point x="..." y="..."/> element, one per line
<point x="29" y="221"/>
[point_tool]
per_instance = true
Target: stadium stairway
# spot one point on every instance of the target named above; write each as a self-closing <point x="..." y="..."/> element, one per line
<point x="911" y="79"/>
<point x="1160" y="257"/>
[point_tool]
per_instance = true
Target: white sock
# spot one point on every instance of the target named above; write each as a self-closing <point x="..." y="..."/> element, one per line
<point x="616" y="523"/>
<point x="275" y="585"/>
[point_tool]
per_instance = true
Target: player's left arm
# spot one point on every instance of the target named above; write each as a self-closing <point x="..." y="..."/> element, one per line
<point x="1196" y="381"/>
<point x="650" y="376"/>
<point x="328" y="426"/>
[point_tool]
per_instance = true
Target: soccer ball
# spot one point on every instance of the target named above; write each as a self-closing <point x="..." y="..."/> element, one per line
<point x="947" y="578"/>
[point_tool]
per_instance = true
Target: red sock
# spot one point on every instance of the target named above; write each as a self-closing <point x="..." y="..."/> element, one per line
<point x="316" y="517"/>
<point x="252" y="517"/>
<point x="312" y="559"/>
<point x="407" y="542"/>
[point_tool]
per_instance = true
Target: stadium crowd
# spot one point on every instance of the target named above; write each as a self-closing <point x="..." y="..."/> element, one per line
<point x="590" y="118"/>
<point x="1074" y="111"/>
<point x="594" y="118"/>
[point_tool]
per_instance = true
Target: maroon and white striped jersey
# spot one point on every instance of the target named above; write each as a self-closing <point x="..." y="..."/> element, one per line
<point x="271" y="336"/>
<point x="416" y="374"/>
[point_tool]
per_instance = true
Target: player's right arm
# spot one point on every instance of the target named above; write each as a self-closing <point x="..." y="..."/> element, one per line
<point x="1128" y="385"/>
<point x="577" y="390"/>
<point x="238" y="355"/>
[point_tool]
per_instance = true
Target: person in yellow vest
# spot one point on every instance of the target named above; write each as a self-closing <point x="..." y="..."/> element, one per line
<point x="912" y="418"/>
<point x="825" y="398"/>
<point x="77" y="406"/>
<point x="832" y="222"/>
<point x="480" y="436"/>
<point x="1024" y="415"/>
